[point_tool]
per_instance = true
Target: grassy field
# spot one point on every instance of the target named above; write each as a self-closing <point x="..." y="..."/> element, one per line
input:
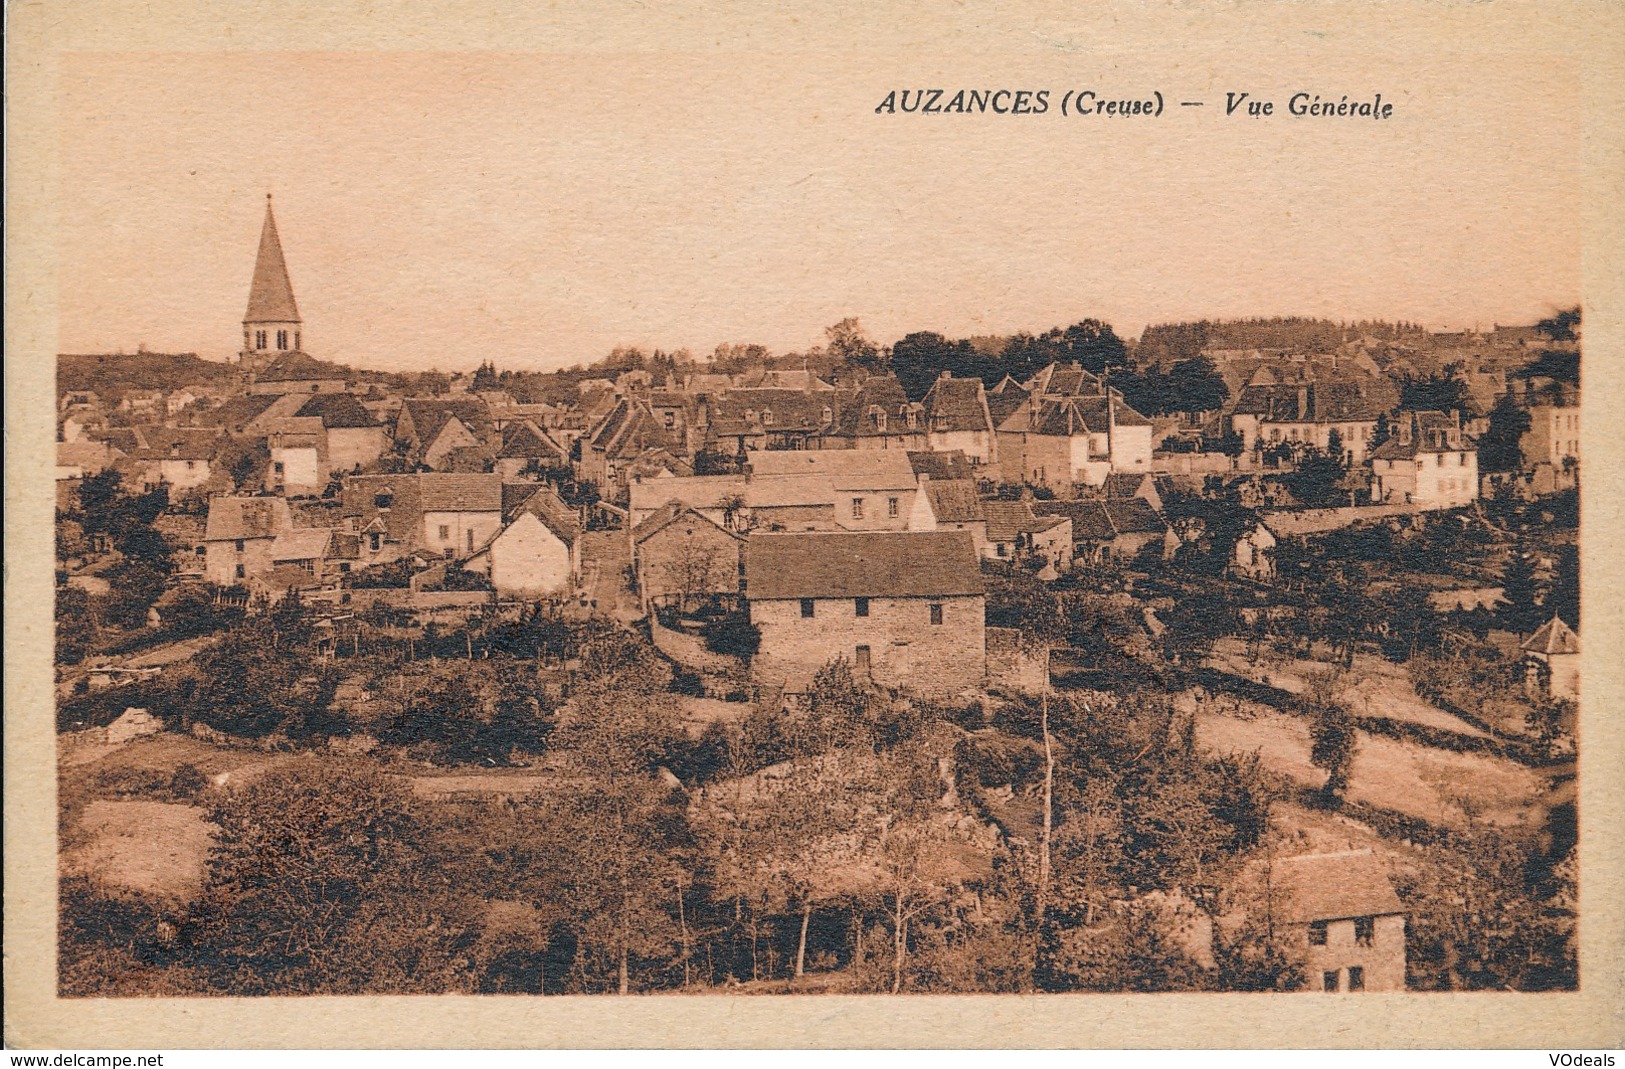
<point x="1376" y="687"/>
<point x="154" y="848"/>
<point x="1436" y="785"/>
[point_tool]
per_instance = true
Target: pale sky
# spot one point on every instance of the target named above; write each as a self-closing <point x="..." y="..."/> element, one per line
<point x="536" y="209"/>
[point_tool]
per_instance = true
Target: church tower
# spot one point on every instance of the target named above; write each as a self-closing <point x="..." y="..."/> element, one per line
<point x="271" y="326"/>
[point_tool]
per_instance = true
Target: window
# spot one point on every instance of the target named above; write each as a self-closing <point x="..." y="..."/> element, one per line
<point x="445" y="532"/>
<point x="241" y="571"/>
<point x="296" y="339"/>
<point x="861" y="605"/>
<point x="1003" y="549"/>
<point x="806" y="608"/>
<point x="767" y="417"/>
<point x="1328" y="980"/>
<point x="281" y="339"/>
<point x="277" y="467"/>
<point x="671" y="420"/>
<point x="1365" y="929"/>
<point x="259" y="339"/>
<point x="891" y="506"/>
<point x="202" y="550"/>
<point x="828" y="414"/>
<point x="470" y="540"/>
<point x="191" y="465"/>
<point x="239" y="545"/>
<point x="383" y="500"/>
<point x="936" y="614"/>
<point x="375" y="541"/>
<point x="857" y="508"/>
<point x="1356" y="978"/>
<point x="344" y="566"/>
<point x="1317" y="933"/>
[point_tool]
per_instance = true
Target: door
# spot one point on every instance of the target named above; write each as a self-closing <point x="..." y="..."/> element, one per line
<point x="863" y="662"/>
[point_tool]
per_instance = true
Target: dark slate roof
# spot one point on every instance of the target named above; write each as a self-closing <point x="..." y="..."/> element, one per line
<point x="1554" y="636"/>
<point x="337" y="410"/>
<point x="299" y="367"/>
<point x="954" y="500"/>
<point x="270" y="295"/>
<point x="428" y="417"/>
<point x="899" y="564"/>
<point x="1324" y="887"/>
<point x="238" y="411"/>
<point x="957" y="405"/>
<point x="884" y="392"/>
<point x="1007" y="519"/>
<point x="514" y="495"/>
<point x="1134" y="515"/>
<point x="1000" y="405"/>
<point x="546" y="505"/>
<point x="1065" y="380"/>
<point x="791" y="410"/>
<point x="179" y="443"/>
<point x="1090" y="520"/>
<point x="951" y="464"/>
<point x="452" y="492"/>
<point x="245" y="517"/>
<point x="1314" y="402"/>
<point x="670" y="513"/>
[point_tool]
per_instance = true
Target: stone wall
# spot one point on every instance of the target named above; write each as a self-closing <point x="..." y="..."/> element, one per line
<point x="905" y="649"/>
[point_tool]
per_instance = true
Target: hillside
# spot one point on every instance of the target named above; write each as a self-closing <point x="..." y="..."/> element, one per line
<point x="110" y="374"/>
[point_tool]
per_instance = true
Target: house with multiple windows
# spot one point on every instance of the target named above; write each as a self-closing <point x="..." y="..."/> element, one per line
<point x="905" y="609"/>
<point x="1351" y="924"/>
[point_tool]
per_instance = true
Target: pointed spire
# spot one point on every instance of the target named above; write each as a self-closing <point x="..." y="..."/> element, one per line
<point x="270" y="297"/>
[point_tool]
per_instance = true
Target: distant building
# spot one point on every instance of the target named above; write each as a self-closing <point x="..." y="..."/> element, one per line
<point x="440" y="513"/>
<point x="1307" y="413"/>
<point x="904" y="609"/>
<point x="1351" y="924"/>
<point x="957" y="417"/>
<point x="1428" y="462"/>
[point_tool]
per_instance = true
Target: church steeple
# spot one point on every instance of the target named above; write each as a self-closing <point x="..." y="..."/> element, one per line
<point x="271" y="325"/>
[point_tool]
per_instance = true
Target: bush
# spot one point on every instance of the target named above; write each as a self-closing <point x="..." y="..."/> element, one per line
<point x="187" y="782"/>
<point x="733" y="635"/>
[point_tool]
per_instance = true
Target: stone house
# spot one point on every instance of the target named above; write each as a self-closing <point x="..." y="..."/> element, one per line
<point x="954" y="505"/>
<point x="239" y="535"/>
<point x="1119" y="529"/>
<point x="1350" y="922"/>
<point x="682" y="553"/>
<point x="299" y="461"/>
<point x="877" y="414"/>
<point x="906" y="609"/>
<point x="354" y="438"/>
<point x="1064" y="442"/>
<point x="528" y="447"/>
<point x="1015" y="532"/>
<point x="439" y="513"/>
<point x="957" y="417"/>
<point x="1307" y="413"/>
<point x="538" y="550"/>
<point x="1428" y="463"/>
<point x="180" y="457"/>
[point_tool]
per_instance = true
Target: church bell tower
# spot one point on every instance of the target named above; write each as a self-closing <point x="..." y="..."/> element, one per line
<point x="271" y="326"/>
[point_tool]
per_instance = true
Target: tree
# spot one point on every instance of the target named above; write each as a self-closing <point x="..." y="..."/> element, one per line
<point x="691" y="570"/>
<point x="75" y="625"/>
<point x="918" y="359"/>
<point x="1435" y="393"/>
<point x="316" y="885"/>
<point x="849" y="345"/>
<point x="1563" y="599"/>
<point x="1334" y="742"/>
<point x="1500" y="446"/>
<point x="1519" y="613"/>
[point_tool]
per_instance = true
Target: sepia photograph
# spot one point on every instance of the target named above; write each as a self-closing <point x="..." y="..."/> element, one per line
<point x="688" y="521"/>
